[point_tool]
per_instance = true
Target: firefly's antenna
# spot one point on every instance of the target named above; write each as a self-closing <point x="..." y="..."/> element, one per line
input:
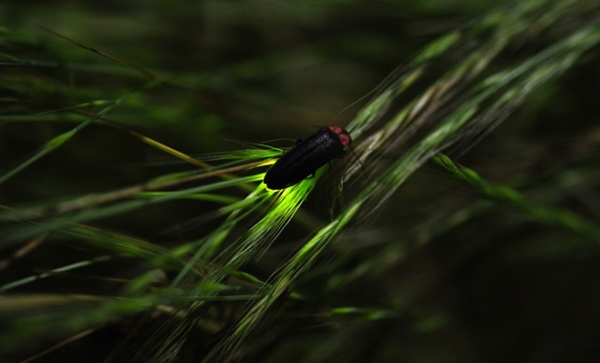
<point x="362" y="167"/>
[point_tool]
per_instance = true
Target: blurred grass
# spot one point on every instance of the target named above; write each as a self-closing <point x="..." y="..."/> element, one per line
<point x="175" y="264"/>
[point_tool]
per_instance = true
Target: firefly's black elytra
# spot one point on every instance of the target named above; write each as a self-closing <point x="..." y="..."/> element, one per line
<point x="308" y="156"/>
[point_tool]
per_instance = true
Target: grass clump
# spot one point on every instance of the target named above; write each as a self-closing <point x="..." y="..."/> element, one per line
<point x="198" y="261"/>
